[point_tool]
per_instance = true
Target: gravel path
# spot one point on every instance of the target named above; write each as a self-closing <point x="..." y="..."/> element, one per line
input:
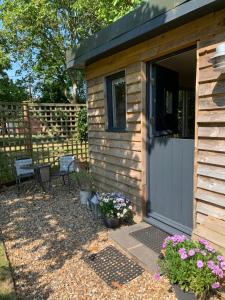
<point x="46" y="238"/>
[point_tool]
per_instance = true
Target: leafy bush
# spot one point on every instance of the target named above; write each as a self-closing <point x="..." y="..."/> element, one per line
<point x="82" y="124"/>
<point x="193" y="265"/>
<point x="84" y="180"/>
<point x="114" y="205"/>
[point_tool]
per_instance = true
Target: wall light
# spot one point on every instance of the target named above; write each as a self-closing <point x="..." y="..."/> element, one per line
<point x="218" y="60"/>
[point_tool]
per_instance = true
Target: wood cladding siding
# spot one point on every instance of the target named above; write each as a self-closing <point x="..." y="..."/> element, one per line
<point x="115" y="157"/>
<point x="118" y="160"/>
<point x="210" y="167"/>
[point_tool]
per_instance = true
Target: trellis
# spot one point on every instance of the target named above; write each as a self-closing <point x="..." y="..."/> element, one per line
<point x="41" y="131"/>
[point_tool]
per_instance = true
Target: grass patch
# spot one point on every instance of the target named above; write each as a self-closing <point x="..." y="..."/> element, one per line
<point x="6" y="285"/>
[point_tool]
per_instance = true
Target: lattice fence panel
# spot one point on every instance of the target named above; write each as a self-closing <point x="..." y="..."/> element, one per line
<point x="41" y="131"/>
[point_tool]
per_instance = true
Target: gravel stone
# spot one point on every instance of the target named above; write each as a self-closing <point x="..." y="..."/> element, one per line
<point x="46" y="237"/>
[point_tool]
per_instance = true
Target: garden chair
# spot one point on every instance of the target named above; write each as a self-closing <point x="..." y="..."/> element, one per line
<point x="22" y="172"/>
<point x="67" y="166"/>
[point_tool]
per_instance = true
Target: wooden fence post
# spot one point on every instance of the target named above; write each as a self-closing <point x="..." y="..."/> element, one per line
<point x="27" y="131"/>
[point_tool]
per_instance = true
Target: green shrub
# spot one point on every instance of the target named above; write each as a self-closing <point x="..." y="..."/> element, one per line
<point x="82" y="124"/>
<point x="193" y="265"/>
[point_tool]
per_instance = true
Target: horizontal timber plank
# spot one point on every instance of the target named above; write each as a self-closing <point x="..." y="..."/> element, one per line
<point x="211" y="145"/>
<point x="211" y="184"/>
<point x="214" y="132"/>
<point x="204" y="59"/>
<point x="209" y="75"/>
<point x="136" y="156"/>
<point x="96" y="120"/>
<point x="134" y="107"/>
<point x="200" y="218"/>
<point x="211" y="171"/>
<point x="134" y="117"/>
<point x="133" y="68"/>
<point x="211" y="103"/>
<point x="95" y="81"/>
<point x="126" y="163"/>
<point x="215" y="224"/>
<point x="96" y="104"/>
<point x="214" y="211"/>
<point x="134" y="174"/>
<point x="96" y="127"/>
<point x="215" y="116"/>
<point x="133" y="88"/>
<point x="134" y="127"/>
<point x="213" y="158"/>
<point x="122" y="136"/>
<point x="133" y="78"/>
<point x="210" y="235"/>
<point x="210" y="43"/>
<point x="210" y="197"/>
<point x="134" y="98"/>
<point x="212" y="88"/>
<point x="118" y="186"/>
<point x="96" y="97"/>
<point x="92" y="112"/>
<point x="127" y="145"/>
<point x="116" y="177"/>
<point x="95" y="89"/>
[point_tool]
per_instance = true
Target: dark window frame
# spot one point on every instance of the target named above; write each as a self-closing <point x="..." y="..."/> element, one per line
<point x="109" y="101"/>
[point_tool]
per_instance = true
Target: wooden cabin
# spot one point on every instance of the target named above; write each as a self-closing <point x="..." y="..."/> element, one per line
<point x="156" y="113"/>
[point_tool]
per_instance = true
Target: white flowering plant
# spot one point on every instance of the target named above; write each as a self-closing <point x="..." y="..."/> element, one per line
<point x="115" y="205"/>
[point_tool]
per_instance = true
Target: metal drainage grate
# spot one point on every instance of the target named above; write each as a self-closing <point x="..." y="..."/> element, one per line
<point x="113" y="267"/>
<point x="152" y="237"/>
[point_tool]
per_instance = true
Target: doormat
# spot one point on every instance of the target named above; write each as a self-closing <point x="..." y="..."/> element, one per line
<point x="113" y="267"/>
<point x="152" y="237"/>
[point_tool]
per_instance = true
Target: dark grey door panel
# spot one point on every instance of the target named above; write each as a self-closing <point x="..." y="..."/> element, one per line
<point x="171" y="180"/>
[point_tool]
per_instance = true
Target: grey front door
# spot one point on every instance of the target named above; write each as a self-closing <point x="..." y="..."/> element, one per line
<point x="171" y="154"/>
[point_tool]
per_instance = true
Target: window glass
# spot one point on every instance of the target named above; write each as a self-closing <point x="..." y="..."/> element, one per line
<point x="116" y="101"/>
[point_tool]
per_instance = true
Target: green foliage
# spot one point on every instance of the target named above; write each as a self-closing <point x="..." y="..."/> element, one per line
<point x="82" y="124"/>
<point x="84" y="180"/>
<point x="11" y="91"/>
<point x="37" y="33"/>
<point x="193" y="265"/>
<point x="113" y="205"/>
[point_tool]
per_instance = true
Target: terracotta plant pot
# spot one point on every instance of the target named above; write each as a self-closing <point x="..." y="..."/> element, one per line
<point x="181" y="295"/>
<point x="111" y="222"/>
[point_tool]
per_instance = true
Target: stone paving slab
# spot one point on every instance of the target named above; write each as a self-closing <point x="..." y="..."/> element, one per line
<point x="144" y="255"/>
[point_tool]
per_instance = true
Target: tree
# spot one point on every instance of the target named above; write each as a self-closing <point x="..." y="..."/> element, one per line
<point x="38" y="32"/>
<point x="10" y="91"/>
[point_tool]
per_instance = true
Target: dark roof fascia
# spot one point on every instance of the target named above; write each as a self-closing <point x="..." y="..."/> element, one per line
<point x="173" y="18"/>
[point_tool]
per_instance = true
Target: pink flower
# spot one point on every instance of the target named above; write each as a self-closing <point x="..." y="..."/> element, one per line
<point x="215" y="285"/>
<point x="191" y="252"/>
<point x="203" y="253"/>
<point x="200" y="264"/>
<point x="182" y="253"/>
<point x="220" y="258"/>
<point x="222" y="265"/>
<point x="157" y="276"/>
<point x="211" y="264"/>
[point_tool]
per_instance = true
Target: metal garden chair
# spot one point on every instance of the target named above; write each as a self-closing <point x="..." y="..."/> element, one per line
<point x="22" y="172"/>
<point x="67" y="166"/>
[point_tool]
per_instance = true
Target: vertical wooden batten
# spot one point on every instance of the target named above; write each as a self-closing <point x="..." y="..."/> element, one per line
<point x="144" y="139"/>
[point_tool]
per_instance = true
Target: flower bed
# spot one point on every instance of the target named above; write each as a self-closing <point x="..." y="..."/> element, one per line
<point x="193" y="265"/>
<point x="115" y="206"/>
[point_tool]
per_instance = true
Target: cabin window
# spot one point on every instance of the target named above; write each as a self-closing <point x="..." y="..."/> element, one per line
<point x="116" y="101"/>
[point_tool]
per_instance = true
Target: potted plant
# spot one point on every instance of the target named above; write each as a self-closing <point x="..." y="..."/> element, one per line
<point x="85" y="183"/>
<point x="114" y="208"/>
<point x="194" y="268"/>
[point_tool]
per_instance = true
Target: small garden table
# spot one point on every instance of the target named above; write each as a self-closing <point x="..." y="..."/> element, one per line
<point x="42" y="173"/>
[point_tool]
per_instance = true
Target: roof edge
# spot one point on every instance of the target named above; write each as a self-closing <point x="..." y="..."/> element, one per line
<point x="184" y="13"/>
